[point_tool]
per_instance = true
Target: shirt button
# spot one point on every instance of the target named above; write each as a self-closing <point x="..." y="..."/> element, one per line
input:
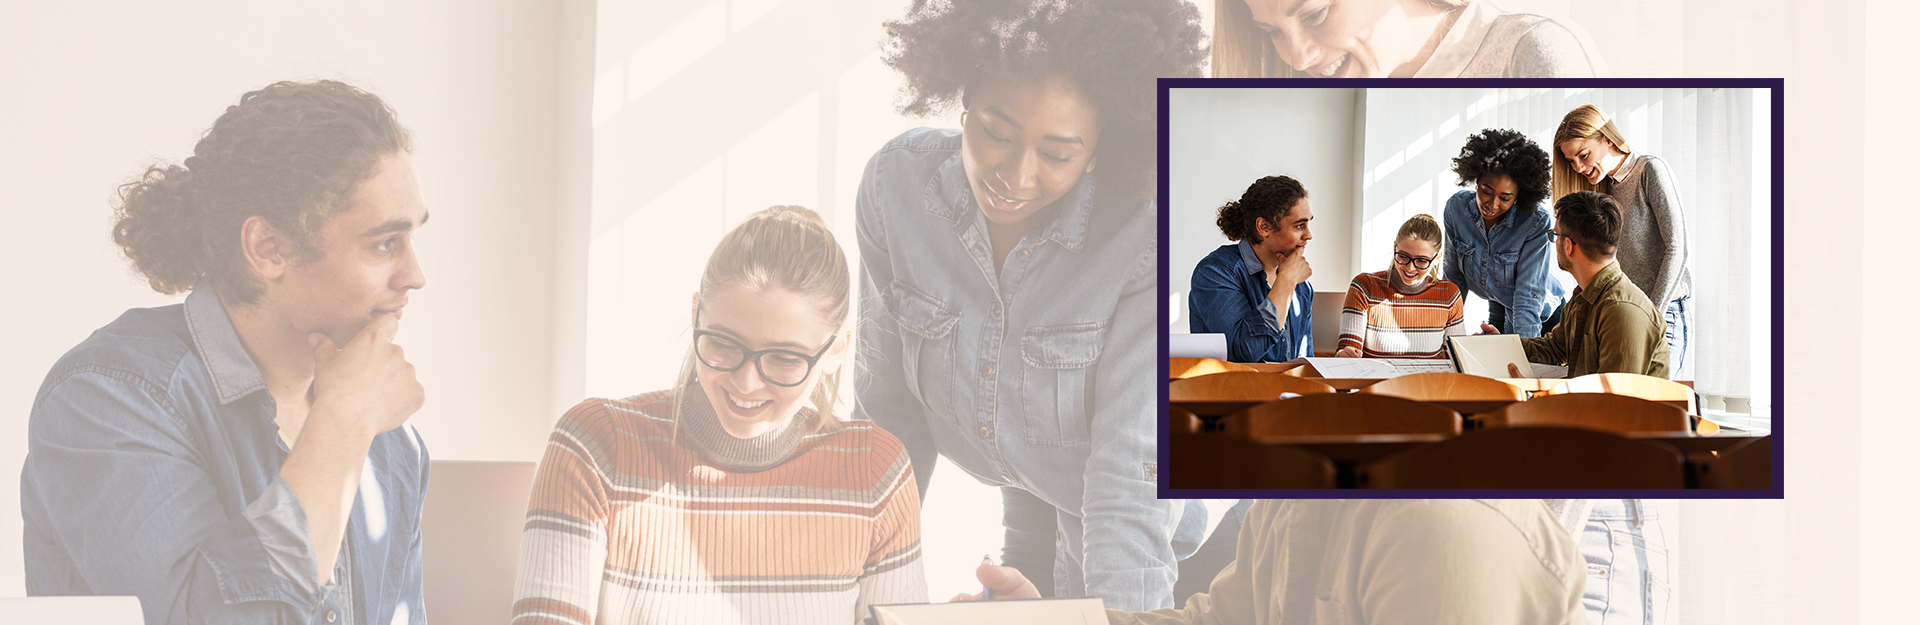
<point x="996" y="309"/>
<point x="986" y="432"/>
<point x="332" y="616"/>
<point x="986" y="370"/>
<point x="1022" y="254"/>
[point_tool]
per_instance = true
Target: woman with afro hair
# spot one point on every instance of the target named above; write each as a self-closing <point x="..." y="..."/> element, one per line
<point x="1009" y="280"/>
<point x="1497" y="233"/>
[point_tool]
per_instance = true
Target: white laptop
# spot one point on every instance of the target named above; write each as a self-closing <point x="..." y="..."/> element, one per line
<point x="1197" y="346"/>
<point x="1090" y="611"/>
<point x="470" y="538"/>
<point x="70" y="611"/>
<point x="1488" y="355"/>
<point x="1326" y="319"/>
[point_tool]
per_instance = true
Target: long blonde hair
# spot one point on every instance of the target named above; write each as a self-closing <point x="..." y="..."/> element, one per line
<point x="783" y="247"/>
<point x="1584" y="122"/>
<point x="1241" y="50"/>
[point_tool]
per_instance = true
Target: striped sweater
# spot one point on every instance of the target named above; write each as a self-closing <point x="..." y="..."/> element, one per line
<point x="631" y="522"/>
<point x="1382" y="322"/>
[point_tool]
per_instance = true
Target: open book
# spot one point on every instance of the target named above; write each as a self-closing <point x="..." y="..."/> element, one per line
<point x="1089" y="611"/>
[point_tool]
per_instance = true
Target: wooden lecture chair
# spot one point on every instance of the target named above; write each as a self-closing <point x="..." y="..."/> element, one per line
<point x="1213" y="460"/>
<point x="1343" y="414"/>
<point x="1531" y="457"/>
<point x="1612" y="413"/>
<point x="1182" y="368"/>
<point x="1468" y="394"/>
<point x="1750" y="465"/>
<point x="1226" y="393"/>
<point x="1631" y="384"/>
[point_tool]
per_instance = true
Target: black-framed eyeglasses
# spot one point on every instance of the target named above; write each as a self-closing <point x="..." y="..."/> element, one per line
<point x="779" y="367"/>
<point x="1554" y="236"/>
<point x="1418" y="262"/>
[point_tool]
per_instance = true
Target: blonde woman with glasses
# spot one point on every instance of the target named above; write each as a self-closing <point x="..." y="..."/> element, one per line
<point x="1405" y="311"/>
<point x="735" y="496"/>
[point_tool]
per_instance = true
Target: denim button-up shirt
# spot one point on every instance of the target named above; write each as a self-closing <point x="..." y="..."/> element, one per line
<point x="1228" y="295"/>
<point x="1040" y="375"/>
<point x="153" y="470"/>
<point x="1511" y="264"/>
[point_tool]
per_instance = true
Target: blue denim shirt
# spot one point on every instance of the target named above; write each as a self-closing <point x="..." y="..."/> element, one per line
<point x="153" y="470"/>
<point x="1510" y="265"/>
<point x="1228" y="295"/>
<point x="1040" y="375"/>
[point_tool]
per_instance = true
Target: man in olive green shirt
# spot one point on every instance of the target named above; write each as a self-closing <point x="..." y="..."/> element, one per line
<point x="1378" y="562"/>
<point x="1608" y="324"/>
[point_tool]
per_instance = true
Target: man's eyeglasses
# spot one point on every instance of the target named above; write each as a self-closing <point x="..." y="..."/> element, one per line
<point x="1554" y="236"/>
<point x="779" y="367"/>
<point x="1418" y="262"/>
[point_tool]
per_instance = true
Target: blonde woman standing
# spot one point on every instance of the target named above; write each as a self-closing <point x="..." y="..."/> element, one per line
<point x="736" y="496"/>
<point x="1396" y="39"/>
<point x="1592" y="155"/>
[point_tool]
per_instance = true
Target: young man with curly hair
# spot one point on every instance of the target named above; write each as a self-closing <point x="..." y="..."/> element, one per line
<point x="1241" y="288"/>
<point x="243" y="457"/>
<point x="1009" y="279"/>
<point x="1497" y="233"/>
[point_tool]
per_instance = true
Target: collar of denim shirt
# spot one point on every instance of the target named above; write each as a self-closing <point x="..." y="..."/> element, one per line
<point x="950" y="197"/>
<point x="232" y="370"/>
<point x="1251" y="259"/>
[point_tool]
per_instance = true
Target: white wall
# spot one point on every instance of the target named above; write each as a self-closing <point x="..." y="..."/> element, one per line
<point x="1221" y="140"/>
<point x="95" y="93"/>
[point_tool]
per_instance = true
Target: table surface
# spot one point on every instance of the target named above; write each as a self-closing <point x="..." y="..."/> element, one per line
<point x="1348" y="453"/>
<point x="1532" y="385"/>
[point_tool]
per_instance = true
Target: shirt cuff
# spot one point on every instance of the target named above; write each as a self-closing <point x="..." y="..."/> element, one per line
<point x="281" y="524"/>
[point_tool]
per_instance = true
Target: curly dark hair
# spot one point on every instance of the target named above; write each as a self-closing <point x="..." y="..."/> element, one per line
<point x="1111" y="49"/>
<point x="291" y="152"/>
<point x="1500" y="151"/>
<point x="1271" y="198"/>
<point x="1592" y="220"/>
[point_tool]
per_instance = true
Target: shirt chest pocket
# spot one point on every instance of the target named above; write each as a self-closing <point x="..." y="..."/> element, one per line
<point x="1057" y="381"/>
<point x="926" y="346"/>
<point x="1502" y="266"/>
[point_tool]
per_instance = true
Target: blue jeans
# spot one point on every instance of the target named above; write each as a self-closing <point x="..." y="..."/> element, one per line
<point x="1627" y="568"/>
<point x="1679" y="333"/>
<point x="1497" y="317"/>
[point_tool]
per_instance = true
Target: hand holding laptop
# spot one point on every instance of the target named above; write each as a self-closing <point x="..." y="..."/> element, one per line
<point x="1001" y="582"/>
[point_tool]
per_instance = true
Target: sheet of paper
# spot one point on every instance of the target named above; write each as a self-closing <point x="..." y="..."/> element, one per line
<point x="1372" y="368"/>
<point x="1090" y="611"/>
<point x="1343" y="368"/>
<point x="1420" y="365"/>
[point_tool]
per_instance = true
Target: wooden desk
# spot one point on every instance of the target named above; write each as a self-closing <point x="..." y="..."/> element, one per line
<point x="1350" y="452"/>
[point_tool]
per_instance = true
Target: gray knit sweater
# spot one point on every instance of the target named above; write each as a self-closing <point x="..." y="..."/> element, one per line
<point x="1486" y="42"/>
<point x="1653" y="233"/>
